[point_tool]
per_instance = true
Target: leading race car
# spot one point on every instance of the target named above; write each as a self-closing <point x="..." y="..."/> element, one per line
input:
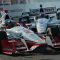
<point x="30" y="40"/>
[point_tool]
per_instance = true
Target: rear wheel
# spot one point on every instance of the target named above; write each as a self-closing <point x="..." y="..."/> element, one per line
<point x="44" y="50"/>
<point x="50" y="49"/>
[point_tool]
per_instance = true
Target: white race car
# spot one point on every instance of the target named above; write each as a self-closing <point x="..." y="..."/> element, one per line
<point x="28" y="37"/>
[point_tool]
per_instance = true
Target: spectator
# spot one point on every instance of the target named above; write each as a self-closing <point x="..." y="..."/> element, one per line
<point x="41" y="9"/>
<point x="6" y="16"/>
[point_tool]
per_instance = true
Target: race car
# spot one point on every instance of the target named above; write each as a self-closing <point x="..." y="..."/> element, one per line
<point x="30" y="40"/>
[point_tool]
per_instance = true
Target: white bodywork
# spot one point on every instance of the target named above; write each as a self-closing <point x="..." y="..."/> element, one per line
<point x="54" y="22"/>
<point x="2" y="19"/>
<point x="17" y="32"/>
<point x="41" y="25"/>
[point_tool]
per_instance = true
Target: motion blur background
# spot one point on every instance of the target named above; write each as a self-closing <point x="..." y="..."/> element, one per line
<point x="17" y="7"/>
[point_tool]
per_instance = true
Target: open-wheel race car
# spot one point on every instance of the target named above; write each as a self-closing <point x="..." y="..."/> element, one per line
<point x="30" y="40"/>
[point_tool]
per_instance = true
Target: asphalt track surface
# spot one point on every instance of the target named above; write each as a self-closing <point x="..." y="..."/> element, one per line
<point x="31" y="57"/>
